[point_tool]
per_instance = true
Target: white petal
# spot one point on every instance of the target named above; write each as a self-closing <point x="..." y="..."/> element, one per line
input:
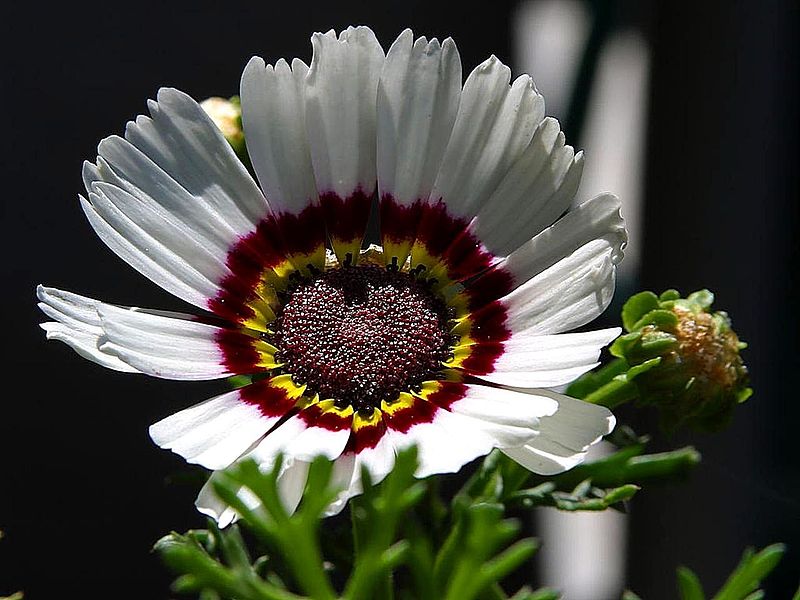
<point x="341" y="90"/>
<point x="567" y="295"/>
<point x="273" y="116"/>
<point x="123" y="165"/>
<point x="527" y="225"/>
<point x="418" y="96"/>
<point x="317" y="441"/>
<point x="211" y="505"/>
<point x="145" y="254"/>
<point x="564" y="436"/>
<point x="213" y="433"/>
<point x="541" y="462"/>
<point x="508" y="417"/>
<point x="530" y="361"/>
<point x="277" y="442"/>
<point x="173" y="347"/>
<point x="172" y="198"/>
<point x="445" y="444"/>
<point x="597" y="218"/>
<point x="291" y="483"/>
<point x="576" y="424"/>
<point x="85" y="344"/>
<point x="378" y="460"/>
<point x="156" y="229"/>
<point x="183" y="140"/>
<point x="535" y="191"/>
<point x="503" y="406"/>
<point x="77" y="324"/>
<point x="346" y="477"/>
<point x="495" y="123"/>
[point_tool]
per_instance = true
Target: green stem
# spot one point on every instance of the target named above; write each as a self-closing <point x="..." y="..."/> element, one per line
<point x="302" y="553"/>
<point x="613" y="394"/>
<point x="387" y="585"/>
<point x="354" y="525"/>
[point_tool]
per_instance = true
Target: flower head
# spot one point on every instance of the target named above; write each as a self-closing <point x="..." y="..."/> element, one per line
<point x="685" y="358"/>
<point x="444" y="333"/>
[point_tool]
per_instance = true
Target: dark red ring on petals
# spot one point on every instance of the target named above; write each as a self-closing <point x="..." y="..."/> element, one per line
<point x="365" y="437"/>
<point x="482" y="357"/>
<point x="403" y="419"/>
<point x="489" y="323"/>
<point x="448" y="393"/>
<point x="315" y="416"/>
<point x="274" y="239"/>
<point x="271" y="401"/>
<point x="399" y="222"/>
<point x="239" y="353"/>
<point x="445" y="236"/>
<point x="491" y="285"/>
<point x="346" y="218"/>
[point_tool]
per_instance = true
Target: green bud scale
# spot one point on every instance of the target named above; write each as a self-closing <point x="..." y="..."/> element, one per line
<point x="683" y="358"/>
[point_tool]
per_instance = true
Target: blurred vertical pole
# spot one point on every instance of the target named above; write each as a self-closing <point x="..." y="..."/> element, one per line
<point x="605" y="115"/>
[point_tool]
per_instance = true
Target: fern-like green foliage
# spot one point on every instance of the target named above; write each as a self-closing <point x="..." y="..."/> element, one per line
<point x="392" y="553"/>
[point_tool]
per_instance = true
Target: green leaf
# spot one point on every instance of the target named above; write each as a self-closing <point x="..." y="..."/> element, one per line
<point x="636" y="307"/>
<point x="473" y="559"/>
<point x="376" y="517"/>
<point x="689" y="585"/>
<point x="752" y="569"/>
<point x="509" y="560"/>
<point x="620" y="494"/>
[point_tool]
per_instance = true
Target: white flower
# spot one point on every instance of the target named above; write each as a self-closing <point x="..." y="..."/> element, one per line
<point x="445" y="336"/>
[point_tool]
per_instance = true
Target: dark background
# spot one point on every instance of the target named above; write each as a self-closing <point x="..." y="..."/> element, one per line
<point x="83" y="491"/>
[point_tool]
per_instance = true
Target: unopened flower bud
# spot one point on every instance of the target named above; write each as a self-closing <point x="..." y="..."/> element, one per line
<point x="227" y="115"/>
<point x="684" y="358"/>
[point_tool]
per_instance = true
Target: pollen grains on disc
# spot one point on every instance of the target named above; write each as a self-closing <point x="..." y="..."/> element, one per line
<point x="362" y="334"/>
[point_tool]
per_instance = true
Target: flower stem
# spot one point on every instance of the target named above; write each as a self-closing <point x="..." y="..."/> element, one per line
<point x="613" y="394"/>
<point x="607" y="386"/>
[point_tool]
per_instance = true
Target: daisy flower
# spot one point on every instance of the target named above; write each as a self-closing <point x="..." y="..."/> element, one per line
<point x="445" y="334"/>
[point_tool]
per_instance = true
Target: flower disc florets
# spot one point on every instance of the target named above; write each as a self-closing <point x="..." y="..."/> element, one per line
<point x="362" y="334"/>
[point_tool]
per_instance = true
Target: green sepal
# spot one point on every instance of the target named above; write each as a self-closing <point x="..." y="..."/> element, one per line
<point x="636" y="307"/>
<point x="702" y="298"/>
<point x="637" y="370"/>
<point x="670" y="294"/>
<point x="638" y="347"/>
<point x="624" y="343"/>
<point x="665" y="320"/>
